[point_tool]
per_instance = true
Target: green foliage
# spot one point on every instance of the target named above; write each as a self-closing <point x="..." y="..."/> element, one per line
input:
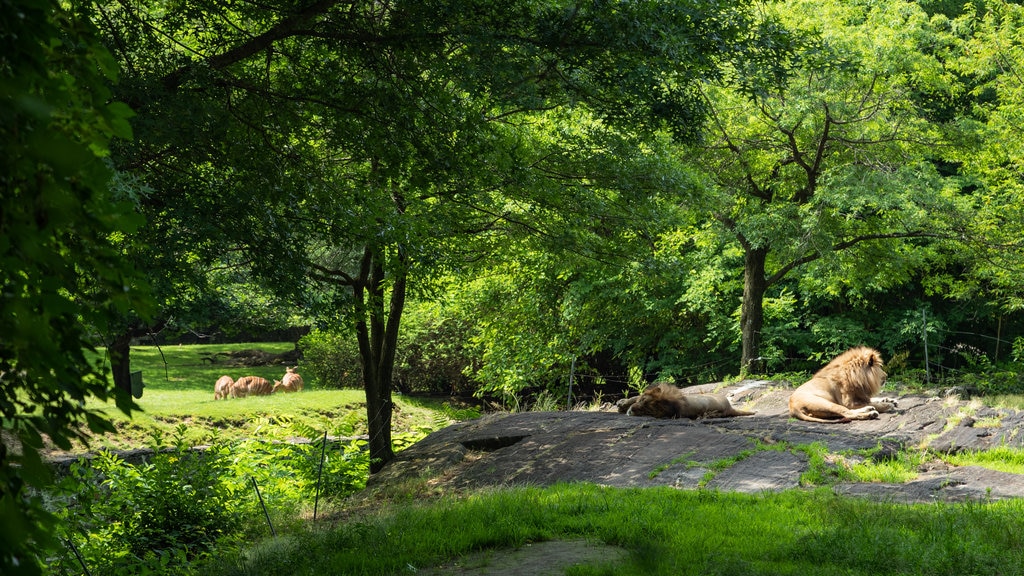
<point x="164" y="515"/>
<point x="61" y="270"/>
<point x="349" y="179"/>
<point x="331" y="359"/>
<point x="432" y="357"/>
<point x="169" y="510"/>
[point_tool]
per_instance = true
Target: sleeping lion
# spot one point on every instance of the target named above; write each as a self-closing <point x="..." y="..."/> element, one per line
<point x="843" y="390"/>
<point x="666" y="401"/>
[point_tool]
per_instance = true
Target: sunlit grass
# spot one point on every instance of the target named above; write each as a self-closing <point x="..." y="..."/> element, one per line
<point x="179" y="390"/>
<point x="898" y="470"/>
<point x="664" y="531"/>
<point x="1011" y="401"/>
<point x="1001" y="458"/>
<point x="183" y="367"/>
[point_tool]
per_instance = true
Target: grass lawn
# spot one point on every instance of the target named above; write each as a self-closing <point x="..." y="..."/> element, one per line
<point x="184" y="368"/>
<point x="179" y="391"/>
<point x="663" y="531"/>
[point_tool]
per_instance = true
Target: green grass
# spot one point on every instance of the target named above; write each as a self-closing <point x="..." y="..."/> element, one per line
<point x="665" y="531"/>
<point x="1001" y="458"/>
<point x="179" y="390"/>
<point x="181" y="368"/>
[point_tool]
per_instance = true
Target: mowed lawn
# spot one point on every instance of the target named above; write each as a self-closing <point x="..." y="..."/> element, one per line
<point x="178" y="399"/>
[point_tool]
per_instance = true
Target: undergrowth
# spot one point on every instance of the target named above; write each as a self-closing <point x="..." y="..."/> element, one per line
<point x="183" y="503"/>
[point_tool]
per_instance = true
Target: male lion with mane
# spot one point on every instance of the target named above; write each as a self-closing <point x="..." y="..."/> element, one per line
<point x="843" y="390"/>
<point x="666" y="401"/>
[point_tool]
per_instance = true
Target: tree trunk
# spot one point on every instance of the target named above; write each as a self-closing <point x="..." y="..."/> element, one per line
<point x="119" y="351"/>
<point x="377" y="333"/>
<point x="755" y="284"/>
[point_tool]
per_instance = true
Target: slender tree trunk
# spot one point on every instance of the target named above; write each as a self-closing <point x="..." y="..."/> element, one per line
<point x="119" y="351"/>
<point x="755" y="284"/>
<point x="377" y="332"/>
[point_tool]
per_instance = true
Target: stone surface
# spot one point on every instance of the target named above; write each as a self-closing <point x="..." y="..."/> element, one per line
<point x="745" y="454"/>
<point x="535" y="559"/>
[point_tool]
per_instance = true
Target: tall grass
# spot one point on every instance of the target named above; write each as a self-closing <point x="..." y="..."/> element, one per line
<point x="665" y="531"/>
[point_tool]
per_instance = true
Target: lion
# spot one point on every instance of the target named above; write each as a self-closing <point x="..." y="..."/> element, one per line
<point x="666" y="401"/>
<point x="223" y="387"/>
<point x="843" y="390"/>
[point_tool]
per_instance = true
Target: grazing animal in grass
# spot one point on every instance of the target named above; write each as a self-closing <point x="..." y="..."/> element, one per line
<point x="256" y="386"/>
<point x="843" y="390"/>
<point x="240" y="388"/>
<point x="291" y="382"/>
<point x="667" y="401"/>
<point x="222" y="389"/>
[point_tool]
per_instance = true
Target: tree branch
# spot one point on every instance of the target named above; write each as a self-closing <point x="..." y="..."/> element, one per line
<point x="283" y="29"/>
<point x="817" y="254"/>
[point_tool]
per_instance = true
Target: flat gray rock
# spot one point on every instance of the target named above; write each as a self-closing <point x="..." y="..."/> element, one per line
<point x="744" y="454"/>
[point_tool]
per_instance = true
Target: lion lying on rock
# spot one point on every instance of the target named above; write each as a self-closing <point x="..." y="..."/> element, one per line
<point x="843" y="390"/>
<point x="666" y="401"/>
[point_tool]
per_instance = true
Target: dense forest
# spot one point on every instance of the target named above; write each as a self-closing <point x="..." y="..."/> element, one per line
<point x="485" y="198"/>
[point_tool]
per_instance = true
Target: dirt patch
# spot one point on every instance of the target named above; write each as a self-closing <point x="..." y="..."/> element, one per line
<point x="539" y="558"/>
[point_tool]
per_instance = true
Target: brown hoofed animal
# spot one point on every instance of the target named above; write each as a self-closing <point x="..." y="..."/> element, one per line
<point x="843" y="390"/>
<point x="256" y="386"/>
<point x="291" y="382"/>
<point x="222" y="389"/>
<point x="240" y="388"/>
<point x="667" y="401"/>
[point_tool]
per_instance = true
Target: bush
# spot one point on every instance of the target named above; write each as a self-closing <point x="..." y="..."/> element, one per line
<point x="432" y="353"/>
<point x="431" y="356"/>
<point x="161" y="516"/>
<point x="331" y="359"/>
<point x="165" y="512"/>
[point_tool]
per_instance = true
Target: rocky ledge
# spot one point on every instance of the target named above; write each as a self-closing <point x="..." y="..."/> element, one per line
<point x="767" y="451"/>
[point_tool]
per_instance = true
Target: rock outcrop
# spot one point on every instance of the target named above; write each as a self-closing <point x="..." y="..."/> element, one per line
<point x="767" y="451"/>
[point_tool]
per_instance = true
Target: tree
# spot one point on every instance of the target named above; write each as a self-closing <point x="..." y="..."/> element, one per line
<point x="990" y="56"/>
<point x="817" y="151"/>
<point x="61" y="270"/>
<point x="367" y="142"/>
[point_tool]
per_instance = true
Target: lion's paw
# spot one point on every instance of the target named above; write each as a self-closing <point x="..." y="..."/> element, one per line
<point x="865" y="413"/>
<point x="885" y="404"/>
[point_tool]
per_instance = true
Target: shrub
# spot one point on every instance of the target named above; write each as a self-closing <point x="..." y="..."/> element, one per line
<point x="167" y="511"/>
<point x="331" y="359"/>
<point x="431" y="357"/>
<point x="161" y="516"/>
